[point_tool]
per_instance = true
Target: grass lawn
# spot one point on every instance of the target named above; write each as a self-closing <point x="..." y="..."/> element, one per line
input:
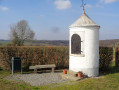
<point x="108" y="81"/>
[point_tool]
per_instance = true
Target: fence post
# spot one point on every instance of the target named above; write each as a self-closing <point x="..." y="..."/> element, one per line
<point x="117" y="57"/>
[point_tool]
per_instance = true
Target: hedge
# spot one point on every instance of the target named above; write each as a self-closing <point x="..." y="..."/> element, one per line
<point x="105" y="58"/>
<point x="58" y="55"/>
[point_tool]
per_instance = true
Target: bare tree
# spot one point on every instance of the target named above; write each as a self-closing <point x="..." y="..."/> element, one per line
<point x="21" y="32"/>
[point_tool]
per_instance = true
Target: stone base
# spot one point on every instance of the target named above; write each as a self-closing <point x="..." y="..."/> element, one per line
<point x="90" y="72"/>
<point x="70" y="76"/>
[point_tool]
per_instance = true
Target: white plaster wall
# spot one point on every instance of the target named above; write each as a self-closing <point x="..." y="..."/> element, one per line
<point x="87" y="62"/>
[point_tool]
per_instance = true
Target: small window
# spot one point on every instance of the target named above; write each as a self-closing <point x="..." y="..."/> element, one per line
<point x="76" y="44"/>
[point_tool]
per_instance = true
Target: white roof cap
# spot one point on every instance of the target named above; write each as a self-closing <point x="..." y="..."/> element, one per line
<point x="84" y="20"/>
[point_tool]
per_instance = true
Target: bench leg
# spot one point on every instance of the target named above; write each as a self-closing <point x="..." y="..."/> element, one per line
<point x="35" y="70"/>
<point x="53" y="70"/>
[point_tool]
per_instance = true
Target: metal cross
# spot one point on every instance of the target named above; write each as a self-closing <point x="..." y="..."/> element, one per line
<point x="83" y="5"/>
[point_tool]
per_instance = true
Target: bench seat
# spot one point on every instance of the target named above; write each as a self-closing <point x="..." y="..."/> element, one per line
<point x="52" y="66"/>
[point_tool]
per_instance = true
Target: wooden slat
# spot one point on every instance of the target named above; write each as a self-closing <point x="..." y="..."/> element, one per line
<point x="42" y="66"/>
<point x="32" y="67"/>
<point x="45" y="66"/>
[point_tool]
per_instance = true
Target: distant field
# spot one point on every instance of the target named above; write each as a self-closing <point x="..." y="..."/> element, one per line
<point x="4" y="42"/>
<point x="40" y="43"/>
<point x="103" y="43"/>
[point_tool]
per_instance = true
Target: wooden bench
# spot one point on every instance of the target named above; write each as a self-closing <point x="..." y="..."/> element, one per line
<point x="52" y="66"/>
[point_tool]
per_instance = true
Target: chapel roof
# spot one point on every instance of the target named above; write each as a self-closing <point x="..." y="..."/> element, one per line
<point x="84" y="20"/>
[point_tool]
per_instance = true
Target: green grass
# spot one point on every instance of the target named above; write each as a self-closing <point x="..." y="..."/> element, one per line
<point x="108" y="81"/>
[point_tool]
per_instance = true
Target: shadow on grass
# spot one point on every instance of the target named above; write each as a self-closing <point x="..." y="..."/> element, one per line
<point x="41" y="72"/>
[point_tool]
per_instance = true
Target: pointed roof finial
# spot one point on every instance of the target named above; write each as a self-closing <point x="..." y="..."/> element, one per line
<point x="83" y="5"/>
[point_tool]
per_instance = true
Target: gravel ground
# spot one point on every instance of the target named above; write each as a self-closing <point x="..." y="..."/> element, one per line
<point x="37" y="79"/>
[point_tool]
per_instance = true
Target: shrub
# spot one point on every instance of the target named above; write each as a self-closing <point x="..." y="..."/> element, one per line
<point x="47" y="55"/>
<point x="35" y="56"/>
<point x="105" y="58"/>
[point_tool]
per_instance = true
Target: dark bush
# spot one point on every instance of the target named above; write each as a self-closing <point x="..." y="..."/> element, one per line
<point x="105" y="58"/>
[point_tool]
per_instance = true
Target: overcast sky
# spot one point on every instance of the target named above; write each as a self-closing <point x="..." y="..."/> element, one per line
<point x="50" y="19"/>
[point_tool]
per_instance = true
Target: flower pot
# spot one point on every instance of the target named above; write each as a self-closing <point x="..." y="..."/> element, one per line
<point x="79" y="75"/>
<point x="65" y="71"/>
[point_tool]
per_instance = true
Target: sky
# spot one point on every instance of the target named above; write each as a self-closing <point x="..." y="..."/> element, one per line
<point x="50" y="19"/>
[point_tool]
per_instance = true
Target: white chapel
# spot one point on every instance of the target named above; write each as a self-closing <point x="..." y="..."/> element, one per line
<point x="84" y="46"/>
